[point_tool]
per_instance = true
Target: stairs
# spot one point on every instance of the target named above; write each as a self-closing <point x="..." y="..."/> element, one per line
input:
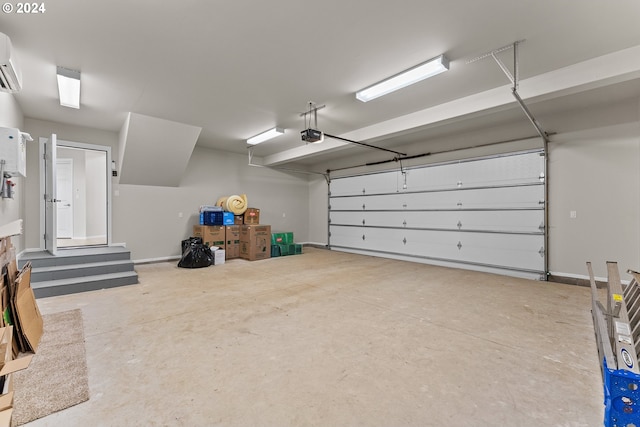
<point x="79" y="270"/>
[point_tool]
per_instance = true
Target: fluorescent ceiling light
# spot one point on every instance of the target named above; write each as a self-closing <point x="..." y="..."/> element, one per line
<point x="69" y="87"/>
<point x="265" y="136"/>
<point x="413" y="75"/>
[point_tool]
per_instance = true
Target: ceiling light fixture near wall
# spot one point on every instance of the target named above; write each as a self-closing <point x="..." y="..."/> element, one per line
<point x="69" y="87"/>
<point x="413" y="75"/>
<point x="265" y="136"/>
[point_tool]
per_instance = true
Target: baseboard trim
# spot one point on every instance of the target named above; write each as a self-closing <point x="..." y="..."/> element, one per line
<point x="578" y="279"/>
<point x="155" y="260"/>
<point x="30" y="250"/>
<point x="315" y="245"/>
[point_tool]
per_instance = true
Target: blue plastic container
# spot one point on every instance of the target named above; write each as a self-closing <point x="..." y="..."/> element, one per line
<point x="211" y="218"/>
<point x="228" y="218"/>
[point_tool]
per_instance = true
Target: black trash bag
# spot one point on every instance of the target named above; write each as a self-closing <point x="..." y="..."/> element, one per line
<point x="196" y="256"/>
<point x="190" y="241"/>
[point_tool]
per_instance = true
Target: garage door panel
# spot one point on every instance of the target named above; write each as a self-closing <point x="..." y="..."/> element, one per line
<point x="499" y="221"/>
<point x="420" y="243"/>
<point x="487" y="213"/>
<point x="355" y="203"/>
<point x="347" y="218"/>
<point x="506" y="170"/>
<point x="529" y="196"/>
<point x="508" y="250"/>
<point x="357" y="237"/>
<point x="501" y="250"/>
<point x="498" y="171"/>
<point x="524" y="221"/>
<point x="433" y="178"/>
<point x="384" y="182"/>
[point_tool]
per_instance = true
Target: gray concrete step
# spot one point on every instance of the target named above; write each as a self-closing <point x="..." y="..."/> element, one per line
<point x="75" y="256"/>
<point x="43" y="274"/>
<point x="79" y="270"/>
<point x="83" y="284"/>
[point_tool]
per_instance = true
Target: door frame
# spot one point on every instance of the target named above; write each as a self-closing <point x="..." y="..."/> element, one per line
<point x="83" y="146"/>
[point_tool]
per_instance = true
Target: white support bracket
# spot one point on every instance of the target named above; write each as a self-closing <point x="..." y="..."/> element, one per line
<point x="514" y="79"/>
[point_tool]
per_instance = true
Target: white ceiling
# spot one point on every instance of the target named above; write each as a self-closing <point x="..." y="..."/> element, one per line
<point x="236" y="68"/>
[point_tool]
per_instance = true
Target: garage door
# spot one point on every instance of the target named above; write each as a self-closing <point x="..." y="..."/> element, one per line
<point x="485" y="214"/>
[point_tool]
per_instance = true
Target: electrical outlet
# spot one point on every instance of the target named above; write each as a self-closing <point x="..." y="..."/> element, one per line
<point x="572" y="214"/>
<point x="180" y="214"/>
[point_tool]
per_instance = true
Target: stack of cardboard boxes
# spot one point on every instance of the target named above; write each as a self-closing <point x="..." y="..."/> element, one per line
<point x="238" y="236"/>
<point x="21" y="324"/>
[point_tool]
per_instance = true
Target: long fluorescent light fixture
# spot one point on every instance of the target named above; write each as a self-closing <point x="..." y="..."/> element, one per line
<point x="412" y="75"/>
<point x="69" y="87"/>
<point x="265" y="136"/>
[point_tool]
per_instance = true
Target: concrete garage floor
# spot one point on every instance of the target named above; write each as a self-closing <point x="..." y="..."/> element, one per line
<point x="334" y="339"/>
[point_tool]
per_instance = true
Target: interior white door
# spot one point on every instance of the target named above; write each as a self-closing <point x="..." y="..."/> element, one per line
<point x="50" y="214"/>
<point x="64" y="208"/>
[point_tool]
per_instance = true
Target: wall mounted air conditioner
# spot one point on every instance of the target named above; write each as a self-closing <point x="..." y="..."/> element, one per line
<point x="10" y="75"/>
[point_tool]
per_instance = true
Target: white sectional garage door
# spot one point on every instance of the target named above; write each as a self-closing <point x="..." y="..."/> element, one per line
<point x="483" y="214"/>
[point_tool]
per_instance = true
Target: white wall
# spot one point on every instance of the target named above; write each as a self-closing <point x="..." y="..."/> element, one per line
<point x="595" y="173"/>
<point x="318" y="210"/>
<point x="151" y="214"/>
<point x="13" y="209"/>
<point x="146" y="218"/>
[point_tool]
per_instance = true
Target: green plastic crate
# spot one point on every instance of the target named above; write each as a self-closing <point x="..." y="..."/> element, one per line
<point x="284" y="250"/>
<point x="282" y="238"/>
<point x="275" y="251"/>
<point x="298" y="248"/>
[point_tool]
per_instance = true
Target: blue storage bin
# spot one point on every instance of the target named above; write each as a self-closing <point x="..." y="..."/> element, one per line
<point x="228" y="218"/>
<point x="211" y="218"/>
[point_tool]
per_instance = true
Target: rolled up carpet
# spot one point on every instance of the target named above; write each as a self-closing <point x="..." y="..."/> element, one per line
<point x="221" y="201"/>
<point x="236" y="204"/>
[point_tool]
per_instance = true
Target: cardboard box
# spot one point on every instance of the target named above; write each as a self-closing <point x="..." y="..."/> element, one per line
<point x="218" y="256"/>
<point x="9" y="365"/>
<point x="238" y="219"/>
<point x="232" y="242"/>
<point x="212" y="235"/>
<point x="252" y="216"/>
<point x="26" y="315"/>
<point x="255" y="242"/>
